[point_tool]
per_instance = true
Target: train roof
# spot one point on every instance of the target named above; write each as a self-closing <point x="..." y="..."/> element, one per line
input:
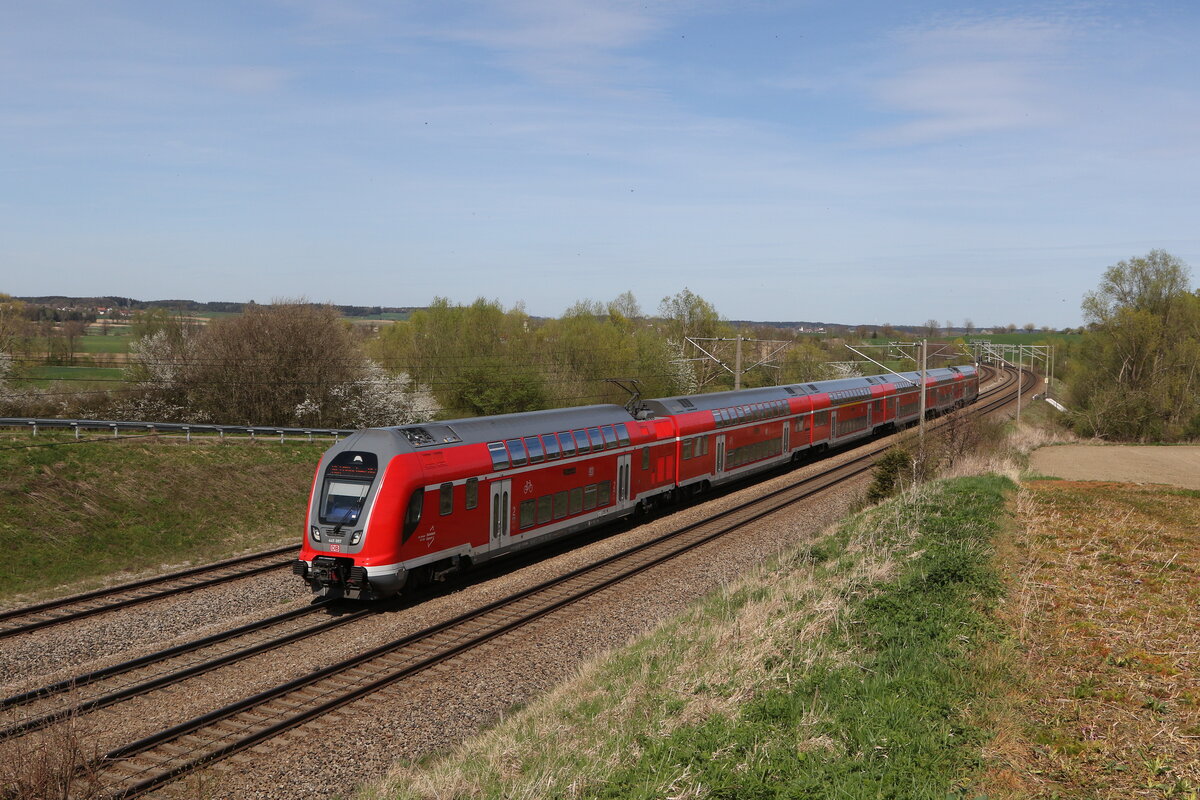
<point x="682" y="404"/>
<point x="475" y="430"/>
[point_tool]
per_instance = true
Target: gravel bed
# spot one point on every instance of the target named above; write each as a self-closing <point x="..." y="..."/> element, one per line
<point x="40" y="657"/>
<point x="441" y="707"/>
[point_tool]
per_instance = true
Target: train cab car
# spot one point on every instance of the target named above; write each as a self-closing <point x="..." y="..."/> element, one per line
<point x="390" y="506"/>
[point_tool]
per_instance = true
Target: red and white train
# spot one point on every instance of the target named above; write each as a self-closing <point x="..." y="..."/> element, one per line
<point x="391" y="506"/>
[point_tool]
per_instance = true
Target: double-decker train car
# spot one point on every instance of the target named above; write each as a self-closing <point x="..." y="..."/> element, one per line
<point x="409" y="504"/>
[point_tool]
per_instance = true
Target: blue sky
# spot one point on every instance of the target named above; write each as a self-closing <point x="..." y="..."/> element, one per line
<point x="860" y="162"/>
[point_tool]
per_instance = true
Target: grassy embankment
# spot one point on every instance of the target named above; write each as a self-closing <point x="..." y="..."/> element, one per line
<point x="77" y="511"/>
<point x="844" y="670"/>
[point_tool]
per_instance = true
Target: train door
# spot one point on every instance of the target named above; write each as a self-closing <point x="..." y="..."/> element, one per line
<point x="623" y="480"/>
<point x="787" y="436"/>
<point x="720" y="466"/>
<point x="501" y="513"/>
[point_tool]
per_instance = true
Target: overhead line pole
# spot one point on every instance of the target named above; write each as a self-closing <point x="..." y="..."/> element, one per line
<point x="737" y="366"/>
<point x="924" y="357"/>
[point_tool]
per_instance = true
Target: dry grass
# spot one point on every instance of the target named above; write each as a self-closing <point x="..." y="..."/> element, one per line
<point x="1103" y="604"/>
<point x="53" y="764"/>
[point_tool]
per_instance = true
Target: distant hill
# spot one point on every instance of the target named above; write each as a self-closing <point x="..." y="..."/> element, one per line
<point x="191" y="306"/>
<point x="402" y="312"/>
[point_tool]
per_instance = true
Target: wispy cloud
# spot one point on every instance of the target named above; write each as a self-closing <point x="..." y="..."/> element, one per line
<point x="252" y="80"/>
<point x="973" y="77"/>
<point x="559" y="41"/>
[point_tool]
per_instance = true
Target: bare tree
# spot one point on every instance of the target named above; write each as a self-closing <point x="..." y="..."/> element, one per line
<point x="73" y="331"/>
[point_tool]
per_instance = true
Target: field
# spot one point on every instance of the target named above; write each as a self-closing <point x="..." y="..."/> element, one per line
<point x="113" y="342"/>
<point x="57" y="373"/>
<point x="1104" y="609"/>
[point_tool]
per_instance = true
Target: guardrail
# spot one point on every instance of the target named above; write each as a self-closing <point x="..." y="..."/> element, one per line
<point x="187" y="428"/>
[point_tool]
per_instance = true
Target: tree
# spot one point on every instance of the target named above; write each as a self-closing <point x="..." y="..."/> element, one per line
<point x="806" y="361"/>
<point x="968" y="326"/>
<point x="72" y="332"/>
<point x="288" y="363"/>
<point x="479" y="359"/>
<point x="687" y="315"/>
<point x="1135" y="375"/>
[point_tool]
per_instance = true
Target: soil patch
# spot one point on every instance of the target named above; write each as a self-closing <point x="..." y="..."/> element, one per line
<point x="1177" y="466"/>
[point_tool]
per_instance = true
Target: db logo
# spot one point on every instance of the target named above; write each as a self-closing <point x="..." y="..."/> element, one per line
<point x="335" y="548"/>
<point x="528" y="488"/>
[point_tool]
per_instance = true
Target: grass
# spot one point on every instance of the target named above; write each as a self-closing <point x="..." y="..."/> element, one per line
<point x="845" y="669"/>
<point x="106" y="506"/>
<point x="1104" y="605"/>
<point x="82" y="374"/>
<point x="113" y="343"/>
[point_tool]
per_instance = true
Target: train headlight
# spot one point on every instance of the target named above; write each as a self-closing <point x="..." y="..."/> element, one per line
<point x="356" y="538"/>
<point x="316" y="533"/>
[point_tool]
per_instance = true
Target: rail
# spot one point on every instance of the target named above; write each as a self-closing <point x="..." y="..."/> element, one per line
<point x="186" y="428"/>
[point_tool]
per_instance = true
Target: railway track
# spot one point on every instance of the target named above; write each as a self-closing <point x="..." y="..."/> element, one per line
<point x="80" y="606"/>
<point x="153" y="761"/>
<point x="39" y="708"/>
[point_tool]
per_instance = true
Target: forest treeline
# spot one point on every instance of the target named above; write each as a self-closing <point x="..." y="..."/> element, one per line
<point x="302" y="364"/>
<point x="1133" y="375"/>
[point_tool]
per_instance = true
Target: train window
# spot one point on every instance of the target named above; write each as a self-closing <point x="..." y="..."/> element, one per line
<point x="534" y="445"/>
<point x="589" y="497"/>
<point x="552" y="450"/>
<point x="801" y="422"/>
<point x="528" y="513"/>
<point x="499" y="455"/>
<point x="544" y="505"/>
<point x="597" y="440"/>
<point x="575" y="501"/>
<point x="622" y="434"/>
<point x="718" y="417"/>
<point x="472" y="492"/>
<point x="645" y="458"/>
<point x="688" y="444"/>
<point x="412" y="515"/>
<point x="702" y="450"/>
<point x="581" y="442"/>
<point x="560" y="504"/>
<point x="610" y="437"/>
<point x="820" y="418"/>
<point x="516" y="448"/>
<point x="568" y="446"/>
<point x="446" y="499"/>
<point x="603" y="493"/>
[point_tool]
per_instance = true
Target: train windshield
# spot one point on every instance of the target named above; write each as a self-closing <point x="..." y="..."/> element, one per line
<point x="348" y="479"/>
<point x="343" y="501"/>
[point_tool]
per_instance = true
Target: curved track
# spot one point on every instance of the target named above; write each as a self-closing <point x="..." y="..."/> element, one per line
<point x="155" y="760"/>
